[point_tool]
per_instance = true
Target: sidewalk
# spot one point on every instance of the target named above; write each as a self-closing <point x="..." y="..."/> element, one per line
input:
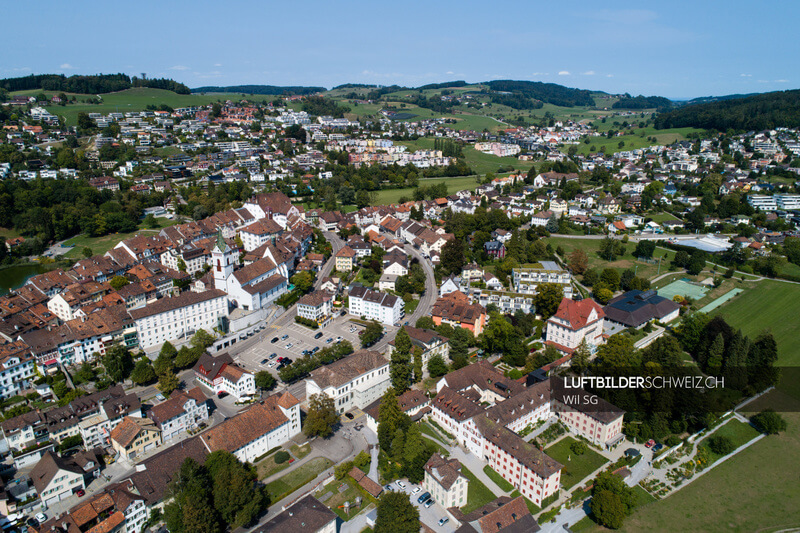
<point x="476" y="467"/>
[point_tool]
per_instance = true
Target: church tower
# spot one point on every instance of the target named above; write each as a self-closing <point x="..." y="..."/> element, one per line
<point x="222" y="262"/>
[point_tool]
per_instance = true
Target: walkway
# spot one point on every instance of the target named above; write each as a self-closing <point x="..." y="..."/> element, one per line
<point x="475" y="466"/>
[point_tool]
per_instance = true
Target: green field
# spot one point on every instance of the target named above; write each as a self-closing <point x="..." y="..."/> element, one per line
<point x="638" y="140"/>
<point x="136" y="99"/>
<point x="101" y="245"/>
<point x="285" y="485"/>
<point x="576" y="467"/>
<point x="478" y="494"/>
<point x="739" y="433"/>
<point x="773" y="305"/>
<point x="479" y="162"/>
<point x="391" y="196"/>
<point x="592" y="246"/>
<point x="756" y="490"/>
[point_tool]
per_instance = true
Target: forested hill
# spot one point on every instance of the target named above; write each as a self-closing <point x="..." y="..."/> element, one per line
<point x="96" y="84"/>
<point x="758" y="112"/>
<point x="642" y="102"/>
<point x="260" y="89"/>
<point x="549" y="93"/>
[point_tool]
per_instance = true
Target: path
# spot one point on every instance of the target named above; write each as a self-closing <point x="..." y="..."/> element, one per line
<point x="476" y="467"/>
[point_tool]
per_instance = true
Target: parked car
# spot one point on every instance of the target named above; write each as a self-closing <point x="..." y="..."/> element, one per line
<point x="285" y="337"/>
<point x="388" y="487"/>
<point x="80" y="492"/>
<point x="658" y="447"/>
<point x="41" y="517"/>
<point x="273" y="355"/>
<point x="289" y="346"/>
<point x="274" y="340"/>
<point x="650" y="443"/>
<point x="280" y="359"/>
<point x="343" y="313"/>
<point x="272" y="364"/>
<point x="425" y="496"/>
<point x="338" y="339"/>
<point x="401" y="484"/>
<point x="443" y="520"/>
<point x="242" y="337"/>
<point x="329" y="340"/>
<point x="415" y="490"/>
<point x="429" y="503"/>
<point x="350" y="417"/>
<point x="315" y="349"/>
<point x="264" y="361"/>
<point x="318" y="335"/>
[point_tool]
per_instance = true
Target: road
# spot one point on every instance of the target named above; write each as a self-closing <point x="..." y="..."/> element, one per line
<point x="431" y="291"/>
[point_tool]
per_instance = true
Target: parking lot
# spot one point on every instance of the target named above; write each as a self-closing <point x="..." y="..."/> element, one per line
<point x="430" y="516"/>
<point x="297" y="338"/>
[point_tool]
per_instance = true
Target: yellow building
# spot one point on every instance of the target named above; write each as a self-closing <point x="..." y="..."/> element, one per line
<point x="134" y="436"/>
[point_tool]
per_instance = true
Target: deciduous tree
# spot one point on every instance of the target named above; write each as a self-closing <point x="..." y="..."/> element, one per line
<point x="321" y="417"/>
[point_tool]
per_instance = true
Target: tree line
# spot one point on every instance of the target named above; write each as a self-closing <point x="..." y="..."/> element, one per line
<point x="96" y="84"/>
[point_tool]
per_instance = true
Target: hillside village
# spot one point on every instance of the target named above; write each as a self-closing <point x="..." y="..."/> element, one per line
<point x="456" y="311"/>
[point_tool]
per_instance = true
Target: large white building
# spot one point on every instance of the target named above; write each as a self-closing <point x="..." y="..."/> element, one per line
<point x="182" y="412"/>
<point x="315" y="306"/>
<point x="526" y="279"/>
<point x="179" y="317"/>
<point x="220" y="375"/>
<point x="16" y="368"/>
<point x="574" y="322"/>
<point x="355" y="381"/>
<point x="373" y="305"/>
<point x="254" y="432"/>
<point x="444" y="480"/>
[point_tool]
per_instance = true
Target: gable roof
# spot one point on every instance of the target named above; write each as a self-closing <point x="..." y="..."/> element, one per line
<point x="48" y="466"/>
<point x="345" y="370"/>
<point x="576" y="313"/>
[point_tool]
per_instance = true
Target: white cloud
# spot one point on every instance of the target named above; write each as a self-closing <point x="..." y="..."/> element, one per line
<point x="609" y="75"/>
<point x="589" y="73"/>
<point x="449" y="72"/>
<point x="763" y="81"/>
<point x="540" y="74"/>
<point x="563" y="73"/>
<point x="746" y="75"/>
<point x="217" y="64"/>
<point x="66" y="66"/>
<point x="178" y="67"/>
<point x="781" y="81"/>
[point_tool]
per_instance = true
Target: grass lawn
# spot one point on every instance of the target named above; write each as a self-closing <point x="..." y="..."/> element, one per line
<point x="478" y="494"/>
<point x="497" y="478"/>
<point x="739" y="433"/>
<point x="300" y="451"/>
<point x="285" y="485"/>
<point x="767" y="306"/>
<point x="756" y="490"/>
<point x="576" y="467"/>
<point x="660" y="218"/>
<point x="392" y="196"/>
<point x="268" y="467"/>
<point x="411" y="306"/>
<point x="336" y="502"/>
<point x="592" y="246"/>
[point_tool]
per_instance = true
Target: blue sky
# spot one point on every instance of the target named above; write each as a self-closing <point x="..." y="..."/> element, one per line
<point x="676" y="49"/>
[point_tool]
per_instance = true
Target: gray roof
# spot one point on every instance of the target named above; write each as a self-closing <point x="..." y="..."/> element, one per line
<point x="635" y="308"/>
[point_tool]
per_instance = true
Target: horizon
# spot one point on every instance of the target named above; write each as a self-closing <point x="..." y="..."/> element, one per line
<point x="649" y="49"/>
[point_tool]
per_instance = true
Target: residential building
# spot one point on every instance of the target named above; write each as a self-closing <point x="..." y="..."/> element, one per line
<point x="373" y="305"/>
<point x="315" y="306"/>
<point x="455" y="309"/>
<point x="181" y="412"/>
<point x="353" y="382"/>
<point x="179" y="317"/>
<point x="259" y="233"/>
<point x="134" y="436"/>
<point x="503" y="515"/>
<point x="412" y="402"/>
<point x="255" y="431"/>
<point x="56" y="478"/>
<point x="444" y="480"/>
<point x="573" y="322"/>
<point x="430" y="342"/>
<point x="16" y="368"/>
<point x="306" y="515"/>
<point x="345" y="259"/>
<point x="116" y="508"/>
<point x="591" y="417"/>
<point x="526" y="279"/>
<point x="221" y="375"/>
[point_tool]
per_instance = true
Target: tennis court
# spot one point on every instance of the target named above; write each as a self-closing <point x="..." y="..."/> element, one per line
<point x="684" y="288"/>
<point x="721" y="300"/>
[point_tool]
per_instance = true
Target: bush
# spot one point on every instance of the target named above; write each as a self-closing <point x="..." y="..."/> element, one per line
<point x="281" y="457"/>
<point x="578" y="448"/>
<point x="769" y="422"/>
<point x="306" y="322"/>
<point x="672" y="440"/>
<point x="720" y="444"/>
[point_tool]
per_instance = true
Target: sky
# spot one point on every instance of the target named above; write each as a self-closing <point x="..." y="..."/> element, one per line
<point x="677" y="49"/>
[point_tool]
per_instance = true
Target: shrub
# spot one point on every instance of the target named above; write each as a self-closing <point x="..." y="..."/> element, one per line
<point x="281" y="457"/>
<point x="578" y="448"/>
<point x="769" y="422"/>
<point x="720" y="444"/>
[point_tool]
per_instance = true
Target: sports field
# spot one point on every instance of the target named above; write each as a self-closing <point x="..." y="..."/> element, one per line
<point x="684" y="288"/>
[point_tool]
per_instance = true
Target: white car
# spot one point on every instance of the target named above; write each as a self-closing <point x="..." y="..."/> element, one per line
<point x="401" y="484"/>
<point x="41" y="518"/>
<point x="416" y="490"/>
<point x="289" y="346"/>
<point x="271" y="364"/>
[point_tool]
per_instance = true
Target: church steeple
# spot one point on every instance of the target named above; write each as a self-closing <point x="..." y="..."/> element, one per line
<point x="222" y="262"/>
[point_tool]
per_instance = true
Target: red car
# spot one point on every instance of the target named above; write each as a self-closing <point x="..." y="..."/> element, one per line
<point x="650" y="443"/>
<point x="80" y="492"/>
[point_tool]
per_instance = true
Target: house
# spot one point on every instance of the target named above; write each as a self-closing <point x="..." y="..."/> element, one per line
<point x="503" y="515"/>
<point x="181" y="412"/>
<point x="115" y="508"/>
<point x="444" y="480"/>
<point x="574" y="322"/>
<point x="412" y="402"/>
<point x="56" y="478"/>
<point x="494" y="249"/>
<point x="635" y="308"/>
<point x="315" y="306"/>
<point x="373" y="305"/>
<point x="16" y="368"/>
<point x="592" y="418"/>
<point x="255" y="431"/>
<point x="307" y="514"/>
<point x="430" y="342"/>
<point x="345" y="259"/>
<point x="455" y="309"/>
<point x="355" y="381"/>
<point x="222" y="376"/>
<point x="450" y="284"/>
<point x="617" y="227"/>
<point x="134" y="436"/>
<point x="259" y="233"/>
<point x="541" y="218"/>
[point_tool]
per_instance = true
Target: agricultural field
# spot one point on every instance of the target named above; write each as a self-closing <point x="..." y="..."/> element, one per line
<point x="638" y="140"/>
<point x="136" y="99"/>
<point x="391" y="196"/>
<point x="479" y="162"/>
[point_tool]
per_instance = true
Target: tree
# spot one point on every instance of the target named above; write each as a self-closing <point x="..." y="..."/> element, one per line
<point x="84" y="374"/>
<point x="390" y="418"/>
<point x="721" y="444"/>
<point x="168" y="351"/>
<point x="372" y="333"/>
<point x="216" y="109"/>
<point x="424" y="322"/>
<point x="181" y="264"/>
<point x="321" y="417"/>
<point x="769" y="422"/>
<point x="118" y="363"/>
<point x="400" y="367"/>
<point x="416" y="453"/>
<point x="715" y="354"/>
<point x="452" y="259"/>
<point x="303" y="281"/>
<point x="608" y="509"/>
<point x="265" y="380"/>
<point x="187" y="357"/>
<point x="84" y="122"/>
<point x="610" y="249"/>
<point x="396" y="514"/>
<point x="202" y="339"/>
<point x="236" y="498"/>
<point x="143" y="373"/>
<point x="417" y="355"/>
<point x="117" y="282"/>
<point x="611" y="277"/>
<point x="552" y="224"/>
<point x="580" y="357"/>
<point x="87" y="252"/>
<point x="618" y="352"/>
<point x="547" y="299"/>
<point x="458" y="351"/>
<point x="150" y="221"/>
<point x="191" y="509"/>
<point x="436" y="366"/>
<point x="578" y="261"/>
<point x="644" y="248"/>
<point x="168" y="382"/>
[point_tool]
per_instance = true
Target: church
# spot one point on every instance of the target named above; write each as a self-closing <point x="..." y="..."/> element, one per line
<point x="251" y="287"/>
